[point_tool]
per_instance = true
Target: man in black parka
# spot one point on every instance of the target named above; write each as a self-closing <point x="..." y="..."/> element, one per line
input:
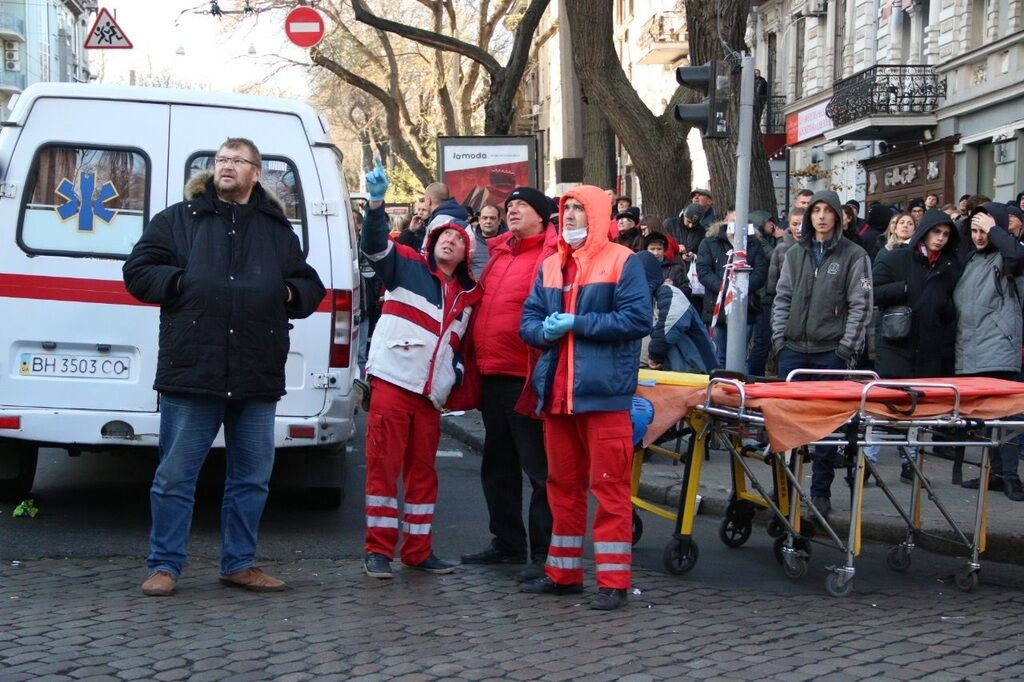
<point x="228" y="272"/>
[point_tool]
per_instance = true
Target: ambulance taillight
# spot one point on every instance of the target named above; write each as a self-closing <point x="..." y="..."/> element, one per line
<point x="341" y="318"/>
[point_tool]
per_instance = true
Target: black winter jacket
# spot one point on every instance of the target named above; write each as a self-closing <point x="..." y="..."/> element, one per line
<point x="711" y="260"/>
<point x="221" y="276"/>
<point x="903" y="277"/>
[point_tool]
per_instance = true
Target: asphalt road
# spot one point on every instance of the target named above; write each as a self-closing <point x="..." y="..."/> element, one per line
<point x="98" y="506"/>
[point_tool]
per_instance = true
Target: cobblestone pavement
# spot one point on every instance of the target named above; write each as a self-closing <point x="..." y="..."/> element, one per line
<point x="85" y="619"/>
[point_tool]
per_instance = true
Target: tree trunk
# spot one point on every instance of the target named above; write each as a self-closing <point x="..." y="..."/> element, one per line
<point x="598" y="148"/>
<point x="705" y="43"/>
<point x="656" y="144"/>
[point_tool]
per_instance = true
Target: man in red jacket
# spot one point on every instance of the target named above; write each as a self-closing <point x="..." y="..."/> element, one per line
<point x="513" y="443"/>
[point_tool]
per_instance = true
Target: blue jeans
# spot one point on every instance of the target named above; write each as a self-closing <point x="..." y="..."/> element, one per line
<point x="188" y="425"/>
<point x="822" y="468"/>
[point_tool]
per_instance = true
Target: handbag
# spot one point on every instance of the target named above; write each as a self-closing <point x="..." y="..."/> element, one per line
<point x="696" y="288"/>
<point x="896" y="323"/>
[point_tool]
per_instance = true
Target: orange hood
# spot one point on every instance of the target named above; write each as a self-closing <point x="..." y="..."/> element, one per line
<point x="598" y="207"/>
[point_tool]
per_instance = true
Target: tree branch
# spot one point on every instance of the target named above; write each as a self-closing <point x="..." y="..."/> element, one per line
<point x="429" y="38"/>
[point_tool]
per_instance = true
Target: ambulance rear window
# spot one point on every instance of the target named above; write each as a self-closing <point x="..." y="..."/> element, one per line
<point x="85" y="201"/>
<point x="279" y="177"/>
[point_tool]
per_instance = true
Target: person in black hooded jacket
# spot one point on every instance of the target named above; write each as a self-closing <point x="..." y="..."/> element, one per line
<point x="228" y="272"/>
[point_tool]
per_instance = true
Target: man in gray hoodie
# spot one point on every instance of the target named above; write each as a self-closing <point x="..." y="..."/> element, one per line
<point x="822" y="311"/>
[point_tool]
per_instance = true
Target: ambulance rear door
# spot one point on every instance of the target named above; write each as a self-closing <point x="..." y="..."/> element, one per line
<point x="197" y="131"/>
<point x="87" y="174"/>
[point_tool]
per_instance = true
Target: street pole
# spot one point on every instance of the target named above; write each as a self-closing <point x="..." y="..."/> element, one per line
<point x="736" y="344"/>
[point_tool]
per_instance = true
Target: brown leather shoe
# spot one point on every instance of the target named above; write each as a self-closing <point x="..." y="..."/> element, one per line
<point x="253" y="579"/>
<point x="160" y="584"/>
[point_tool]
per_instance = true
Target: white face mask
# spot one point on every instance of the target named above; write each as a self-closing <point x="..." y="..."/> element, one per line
<point x="575" y="237"/>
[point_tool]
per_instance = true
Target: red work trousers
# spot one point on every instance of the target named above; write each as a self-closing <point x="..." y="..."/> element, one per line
<point x="403" y="430"/>
<point x="592" y="449"/>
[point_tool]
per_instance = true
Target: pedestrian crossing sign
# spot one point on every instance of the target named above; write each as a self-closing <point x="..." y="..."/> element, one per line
<point x="105" y="34"/>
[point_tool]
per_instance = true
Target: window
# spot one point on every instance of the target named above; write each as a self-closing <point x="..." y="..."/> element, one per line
<point x="279" y="177"/>
<point x="85" y="201"/>
<point x="979" y="17"/>
<point x="799" y="58"/>
<point x="987" y="169"/>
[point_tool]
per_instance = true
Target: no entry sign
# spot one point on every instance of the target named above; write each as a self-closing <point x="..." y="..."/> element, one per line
<point x="304" y="26"/>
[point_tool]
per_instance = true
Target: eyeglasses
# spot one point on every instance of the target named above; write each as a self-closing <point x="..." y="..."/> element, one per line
<point x="233" y="161"/>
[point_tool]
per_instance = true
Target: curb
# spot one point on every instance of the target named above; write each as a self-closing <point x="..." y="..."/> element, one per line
<point x="1001" y="547"/>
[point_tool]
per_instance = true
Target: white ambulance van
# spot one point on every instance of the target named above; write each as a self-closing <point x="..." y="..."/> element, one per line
<point x="83" y="168"/>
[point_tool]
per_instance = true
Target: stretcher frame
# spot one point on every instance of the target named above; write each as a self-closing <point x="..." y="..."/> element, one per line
<point x="730" y="422"/>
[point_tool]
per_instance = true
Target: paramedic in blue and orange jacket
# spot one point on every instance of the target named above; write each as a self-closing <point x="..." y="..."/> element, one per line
<point x="414" y="366"/>
<point x="588" y="311"/>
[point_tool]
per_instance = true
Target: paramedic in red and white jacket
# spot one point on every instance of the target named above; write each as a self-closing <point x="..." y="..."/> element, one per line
<point x="413" y="365"/>
<point x="589" y="309"/>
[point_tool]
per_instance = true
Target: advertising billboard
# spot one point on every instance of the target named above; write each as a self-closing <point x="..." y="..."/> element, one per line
<point x="483" y="170"/>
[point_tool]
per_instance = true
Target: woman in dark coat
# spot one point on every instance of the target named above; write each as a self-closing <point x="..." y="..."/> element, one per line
<point x="922" y="276"/>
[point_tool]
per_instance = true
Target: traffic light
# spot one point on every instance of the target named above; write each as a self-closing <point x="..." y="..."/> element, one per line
<point x="710" y="116"/>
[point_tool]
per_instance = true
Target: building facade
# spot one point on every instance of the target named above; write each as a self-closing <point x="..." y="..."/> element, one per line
<point x="650" y="38"/>
<point x="42" y="41"/>
<point x="887" y="100"/>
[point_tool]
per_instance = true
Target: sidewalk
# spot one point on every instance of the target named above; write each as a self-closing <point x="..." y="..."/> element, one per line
<point x="661" y="483"/>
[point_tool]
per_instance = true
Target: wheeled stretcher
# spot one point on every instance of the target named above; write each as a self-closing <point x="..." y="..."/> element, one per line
<point x="849" y="414"/>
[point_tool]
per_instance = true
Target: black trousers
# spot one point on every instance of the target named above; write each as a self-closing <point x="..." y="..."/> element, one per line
<point x="513" y="445"/>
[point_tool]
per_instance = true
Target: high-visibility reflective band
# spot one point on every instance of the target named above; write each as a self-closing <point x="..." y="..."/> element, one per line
<point x="418" y="508"/>
<point x="381" y="501"/>
<point x="381" y="522"/>
<point x="574" y="541"/>
<point x="565" y="562"/>
<point x="416" y="528"/>
<point x="612" y="567"/>
<point x="612" y="548"/>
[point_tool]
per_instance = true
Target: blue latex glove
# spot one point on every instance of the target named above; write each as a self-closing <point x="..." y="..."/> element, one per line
<point x="557" y="325"/>
<point x="377" y="182"/>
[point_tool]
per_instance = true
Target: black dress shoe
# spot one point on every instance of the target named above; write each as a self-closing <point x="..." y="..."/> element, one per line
<point x="546" y="585"/>
<point x="609" y="599"/>
<point x="493" y="555"/>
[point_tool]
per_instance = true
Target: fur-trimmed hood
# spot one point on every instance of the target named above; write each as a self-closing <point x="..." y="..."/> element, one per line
<point x="202" y="184"/>
<point x="439" y="224"/>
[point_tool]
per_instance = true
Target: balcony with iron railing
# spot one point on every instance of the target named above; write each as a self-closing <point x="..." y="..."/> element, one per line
<point x="885" y="101"/>
<point x="662" y="39"/>
<point x="773" y="119"/>
<point x="12" y="28"/>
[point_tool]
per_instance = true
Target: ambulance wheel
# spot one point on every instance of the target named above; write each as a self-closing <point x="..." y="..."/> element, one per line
<point x="775" y="528"/>
<point x="324" y="498"/>
<point x="733" y="532"/>
<point x="680" y="556"/>
<point x="966" y="579"/>
<point x="638" y="527"/>
<point x="898" y="558"/>
<point x="18" y="462"/>
<point x="833" y="587"/>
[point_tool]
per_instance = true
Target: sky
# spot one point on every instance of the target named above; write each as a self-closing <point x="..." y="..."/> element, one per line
<point x="216" y="51"/>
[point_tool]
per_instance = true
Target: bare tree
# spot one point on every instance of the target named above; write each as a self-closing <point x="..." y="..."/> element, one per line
<point x="656" y="143"/>
<point x="712" y="29"/>
<point x="499" y="112"/>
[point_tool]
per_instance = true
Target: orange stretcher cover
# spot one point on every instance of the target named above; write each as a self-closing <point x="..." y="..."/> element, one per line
<point x="795" y="413"/>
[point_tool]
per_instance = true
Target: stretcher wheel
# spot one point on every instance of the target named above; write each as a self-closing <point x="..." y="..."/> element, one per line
<point x="734" y="533"/>
<point x="794" y="566"/>
<point x="833" y="587"/>
<point x="898" y="558"/>
<point x="966" y="579"/>
<point x="680" y="556"/>
<point x="775" y="528"/>
<point x="799" y="544"/>
<point x="638" y="527"/>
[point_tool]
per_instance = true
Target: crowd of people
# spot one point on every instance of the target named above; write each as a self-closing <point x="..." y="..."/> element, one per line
<point x="545" y="315"/>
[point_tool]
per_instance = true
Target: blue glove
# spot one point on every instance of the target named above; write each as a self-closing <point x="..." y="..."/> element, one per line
<point x="557" y="325"/>
<point x="377" y="182"/>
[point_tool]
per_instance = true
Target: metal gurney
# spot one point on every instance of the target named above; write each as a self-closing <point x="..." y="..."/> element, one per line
<point x="971" y="412"/>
